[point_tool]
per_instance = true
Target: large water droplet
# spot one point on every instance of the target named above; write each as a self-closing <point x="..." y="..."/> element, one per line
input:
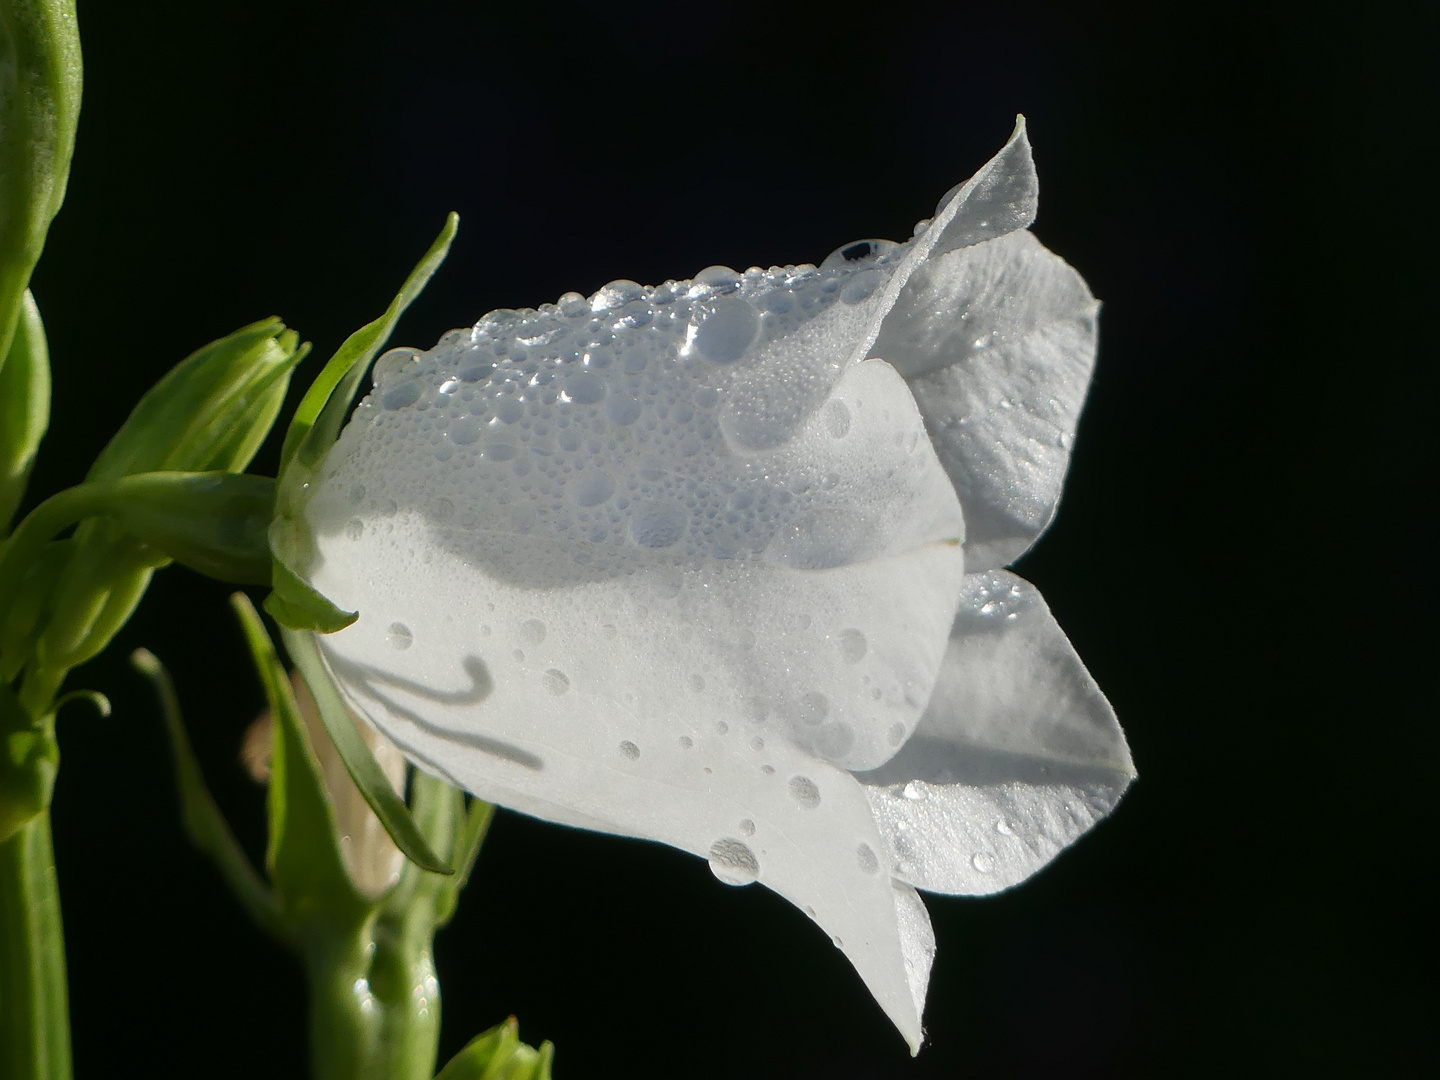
<point x="397" y="397"/>
<point x="630" y="750"/>
<point x="804" y="791"/>
<point x="399" y="636"/>
<point x="555" y="681"/>
<point x="747" y="827"/>
<point x="391" y="363"/>
<point x="620" y="409"/>
<point x="584" y="388"/>
<point x="983" y="861"/>
<point x="532" y="631"/>
<point x="726" y="331"/>
<point x="593" y="489"/>
<point x="733" y="862"/>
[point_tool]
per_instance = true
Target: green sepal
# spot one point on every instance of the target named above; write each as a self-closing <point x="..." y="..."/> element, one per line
<point x="212" y="410"/>
<point x="24" y="406"/>
<point x="364" y="770"/>
<point x="498" y="1054"/>
<point x="40" y="80"/>
<point x="468" y="841"/>
<point x="303" y="856"/>
<point x="200" y="815"/>
<point x="317" y="421"/>
<point x="213" y="522"/>
<point x="29" y="759"/>
<point x="295" y="605"/>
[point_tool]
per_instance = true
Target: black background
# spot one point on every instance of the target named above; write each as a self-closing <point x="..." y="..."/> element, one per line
<point x="1238" y="558"/>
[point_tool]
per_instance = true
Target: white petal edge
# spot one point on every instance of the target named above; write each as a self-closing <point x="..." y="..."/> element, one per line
<point x="1017" y="756"/>
<point x="998" y="343"/>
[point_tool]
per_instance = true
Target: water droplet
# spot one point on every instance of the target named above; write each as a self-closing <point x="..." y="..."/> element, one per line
<point x="391" y="363"/>
<point x="555" y="681"/>
<point x="837" y="419"/>
<point x="622" y="410"/>
<point x="865" y="856"/>
<point x="733" y="862"/>
<point x="747" y="827"/>
<point x="983" y="861"/>
<point x="464" y="432"/>
<point x="399" y="636"/>
<point x="499" y="452"/>
<point x="837" y="942"/>
<point x="852" y="645"/>
<point x="722" y="728"/>
<point x="725" y="332"/>
<point x="804" y="791"/>
<point x="757" y="743"/>
<point x="860" y="286"/>
<point x="355" y="528"/>
<point x="657" y="525"/>
<point x="584" y="388"/>
<point x="608" y="630"/>
<point x="1004" y="828"/>
<point x="630" y="750"/>
<point x="896" y="734"/>
<point x="532" y="631"/>
<point x="810" y="911"/>
<point x="814" y="707"/>
<point x="397" y="397"/>
<point x="913" y="792"/>
<point x="686" y="742"/>
<point x="593" y="489"/>
<point x="697" y="683"/>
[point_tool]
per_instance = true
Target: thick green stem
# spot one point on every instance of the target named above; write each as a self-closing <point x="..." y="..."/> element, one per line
<point x="34" y="1007"/>
<point x="374" y="1003"/>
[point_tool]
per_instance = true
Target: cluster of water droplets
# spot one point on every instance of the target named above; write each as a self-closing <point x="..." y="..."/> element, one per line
<point x="635" y="424"/>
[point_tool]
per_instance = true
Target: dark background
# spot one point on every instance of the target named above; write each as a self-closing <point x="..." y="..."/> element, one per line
<point x="1238" y="558"/>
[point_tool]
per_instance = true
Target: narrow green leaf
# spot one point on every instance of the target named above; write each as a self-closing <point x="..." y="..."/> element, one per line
<point x="24" y="406"/>
<point x="295" y="605"/>
<point x="467" y="849"/>
<point x="359" y="762"/>
<point x="317" y="421"/>
<point x="204" y="824"/>
<point x="40" y="79"/>
<point x="304" y="858"/>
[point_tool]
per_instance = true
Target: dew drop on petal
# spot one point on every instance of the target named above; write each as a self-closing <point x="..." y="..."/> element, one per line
<point x="804" y="791"/>
<point x="556" y="681"/>
<point x="532" y="631"/>
<point x="983" y="861"/>
<point x="733" y="862"/>
<point x="630" y="750"/>
<point x="865" y="856"/>
<point x="399" y="636"/>
<point x="726" y="331"/>
<point x="686" y="742"/>
<point x="747" y="827"/>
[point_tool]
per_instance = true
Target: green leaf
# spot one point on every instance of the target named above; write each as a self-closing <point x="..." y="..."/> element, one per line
<point x="306" y="867"/>
<point x="394" y="815"/>
<point x="468" y="841"/>
<point x="24" y="406"/>
<point x="40" y="80"/>
<point x="204" y="824"/>
<point x="317" y="421"/>
<point x="295" y="605"/>
<point x="211" y="411"/>
<point x="498" y="1054"/>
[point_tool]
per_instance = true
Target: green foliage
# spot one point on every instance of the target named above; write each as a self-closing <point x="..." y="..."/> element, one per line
<point x="24" y="406"/>
<point x="498" y="1054"/>
<point x="313" y="430"/>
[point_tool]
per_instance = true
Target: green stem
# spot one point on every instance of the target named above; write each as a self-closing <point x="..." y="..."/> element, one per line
<point x="34" y="1011"/>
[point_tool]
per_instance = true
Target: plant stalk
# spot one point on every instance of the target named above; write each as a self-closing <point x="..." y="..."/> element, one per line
<point x="34" y="1001"/>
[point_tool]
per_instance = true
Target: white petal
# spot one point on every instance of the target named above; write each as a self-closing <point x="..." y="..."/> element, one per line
<point x="1018" y="754"/>
<point x="638" y="623"/>
<point x="997" y="342"/>
<point x="1001" y="198"/>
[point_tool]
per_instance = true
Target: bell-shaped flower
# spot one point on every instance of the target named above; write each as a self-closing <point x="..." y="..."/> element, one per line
<point x="716" y="563"/>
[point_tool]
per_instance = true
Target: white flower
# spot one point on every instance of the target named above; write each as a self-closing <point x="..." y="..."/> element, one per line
<point x="692" y="563"/>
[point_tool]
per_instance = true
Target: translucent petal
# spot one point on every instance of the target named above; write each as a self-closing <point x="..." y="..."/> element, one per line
<point x="1018" y="754"/>
<point x="641" y="624"/>
<point x="997" y="342"/>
